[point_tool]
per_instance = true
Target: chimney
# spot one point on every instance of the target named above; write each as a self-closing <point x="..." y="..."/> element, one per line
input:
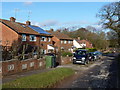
<point x="12" y="19"/>
<point x="58" y="30"/>
<point x="28" y="23"/>
<point x="78" y="38"/>
<point x="51" y="30"/>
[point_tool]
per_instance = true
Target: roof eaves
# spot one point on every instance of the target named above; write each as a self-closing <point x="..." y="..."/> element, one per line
<point x="9" y="27"/>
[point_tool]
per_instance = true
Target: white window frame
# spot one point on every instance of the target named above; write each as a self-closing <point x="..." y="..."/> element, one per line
<point x="69" y="42"/>
<point x="49" y="39"/>
<point x="62" y="47"/>
<point x="65" y="42"/>
<point x="44" y="51"/>
<point x="32" y="36"/>
<point x="23" y="37"/>
<point x="45" y="39"/>
<point x="61" y="41"/>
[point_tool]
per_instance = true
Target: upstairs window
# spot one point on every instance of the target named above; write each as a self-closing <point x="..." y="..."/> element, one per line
<point x="43" y="39"/>
<point x="65" y="41"/>
<point x="69" y="42"/>
<point x="23" y="37"/>
<point x="49" y="39"/>
<point x="32" y="38"/>
<point x="61" y="41"/>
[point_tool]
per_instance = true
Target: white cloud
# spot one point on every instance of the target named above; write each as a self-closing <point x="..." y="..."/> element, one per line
<point x="70" y="24"/>
<point x="45" y="23"/>
<point x="28" y="3"/>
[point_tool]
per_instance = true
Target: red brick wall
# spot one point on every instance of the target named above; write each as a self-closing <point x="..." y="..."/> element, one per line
<point x="37" y="42"/>
<point x="7" y="35"/>
<point x="18" y="66"/>
<point x="88" y="44"/>
<point x="59" y="45"/>
<point x="66" y="60"/>
<point x="43" y="44"/>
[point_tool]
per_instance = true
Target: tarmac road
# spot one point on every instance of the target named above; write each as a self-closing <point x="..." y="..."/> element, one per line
<point x="100" y="74"/>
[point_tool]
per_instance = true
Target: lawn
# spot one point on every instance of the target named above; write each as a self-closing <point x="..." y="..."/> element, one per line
<point x="42" y="80"/>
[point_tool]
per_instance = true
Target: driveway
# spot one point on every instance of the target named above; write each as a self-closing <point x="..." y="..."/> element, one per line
<point x="99" y="74"/>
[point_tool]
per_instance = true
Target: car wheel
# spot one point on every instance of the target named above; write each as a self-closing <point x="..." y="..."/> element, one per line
<point x="73" y="62"/>
<point x="85" y="62"/>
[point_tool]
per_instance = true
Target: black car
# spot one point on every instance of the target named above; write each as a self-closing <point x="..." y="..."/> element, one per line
<point x="81" y="57"/>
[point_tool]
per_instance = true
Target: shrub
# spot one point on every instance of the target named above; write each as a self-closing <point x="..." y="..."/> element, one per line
<point x="91" y="49"/>
<point x="64" y="54"/>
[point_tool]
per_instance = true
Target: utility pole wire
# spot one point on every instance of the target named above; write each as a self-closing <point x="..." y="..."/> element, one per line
<point x="16" y="10"/>
<point x="29" y="12"/>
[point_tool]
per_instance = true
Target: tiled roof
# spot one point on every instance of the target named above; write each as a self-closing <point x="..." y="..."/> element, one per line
<point x="20" y="27"/>
<point x="60" y="35"/>
<point x="81" y="41"/>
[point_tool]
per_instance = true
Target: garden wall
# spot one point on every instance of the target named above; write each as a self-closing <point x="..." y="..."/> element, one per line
<point x="16" y="66"/>
<point x="66" y="60"/>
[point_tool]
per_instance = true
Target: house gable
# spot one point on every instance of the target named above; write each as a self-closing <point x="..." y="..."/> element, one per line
<point x="8" y="35"/>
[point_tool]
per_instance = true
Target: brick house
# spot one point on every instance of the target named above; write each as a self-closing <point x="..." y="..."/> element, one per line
<point x="25" y="33"/>
<point x="77" y="43"/>
<point x="61" y="41"/>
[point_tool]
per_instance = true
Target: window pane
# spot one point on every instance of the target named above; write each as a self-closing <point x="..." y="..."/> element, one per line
<point x="43" y="39"/>
<point x="32" y="38"/>
<point x="23" y="37"/>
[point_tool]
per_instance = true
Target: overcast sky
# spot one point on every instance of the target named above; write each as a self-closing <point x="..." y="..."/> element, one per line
<point x="54" y="14"/>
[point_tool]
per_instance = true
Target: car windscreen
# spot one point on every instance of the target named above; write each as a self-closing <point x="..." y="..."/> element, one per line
<point x="80" y="52"/>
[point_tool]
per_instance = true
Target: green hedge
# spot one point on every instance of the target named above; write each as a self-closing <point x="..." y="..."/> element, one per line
<point x="89" y="49"/>
<point x="64" y="54"/>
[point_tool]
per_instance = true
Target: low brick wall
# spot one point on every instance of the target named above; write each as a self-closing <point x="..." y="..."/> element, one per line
<point x="16" y="66"/>
<point x="66" y="60"/>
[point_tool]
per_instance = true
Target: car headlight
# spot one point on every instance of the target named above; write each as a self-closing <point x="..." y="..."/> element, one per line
<point x="83" y="58"/>
<point x="74" y="57"/>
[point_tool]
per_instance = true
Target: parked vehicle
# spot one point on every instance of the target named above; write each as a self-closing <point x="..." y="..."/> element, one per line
<point x="97" y="55"/>
<point x="81" y="57"/>
<point x="91" y="56"/>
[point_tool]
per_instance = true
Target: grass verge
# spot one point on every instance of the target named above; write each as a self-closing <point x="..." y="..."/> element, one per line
<point x="42" y="80"/>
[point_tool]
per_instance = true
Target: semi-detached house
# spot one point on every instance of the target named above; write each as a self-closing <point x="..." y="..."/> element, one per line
<point x="61" y="40"/>
<point x="14" y="31"/>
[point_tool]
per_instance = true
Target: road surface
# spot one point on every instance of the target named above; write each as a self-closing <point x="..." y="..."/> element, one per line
<point x="99" y="74"/>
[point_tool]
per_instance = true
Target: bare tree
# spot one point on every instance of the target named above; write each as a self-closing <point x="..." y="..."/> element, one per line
<point x="110" y="17"/>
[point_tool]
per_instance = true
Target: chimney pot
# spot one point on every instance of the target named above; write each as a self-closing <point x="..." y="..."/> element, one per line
<point x="78" y="38"/>
<point x="51" y="30"/>
<point x="12" y="19"/>
<point x="58" y="30"/>
<point x="28" y="23"/>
